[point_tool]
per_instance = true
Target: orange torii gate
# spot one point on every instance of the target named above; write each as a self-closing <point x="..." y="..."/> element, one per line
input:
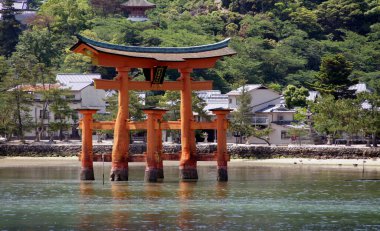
<point x="185" y="59"/>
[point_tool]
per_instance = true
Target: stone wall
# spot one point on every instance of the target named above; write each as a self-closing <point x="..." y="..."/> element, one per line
<point x="237" y="152"/>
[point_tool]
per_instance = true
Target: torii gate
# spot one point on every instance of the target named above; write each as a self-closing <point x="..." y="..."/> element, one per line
<point x="185" y="59"/>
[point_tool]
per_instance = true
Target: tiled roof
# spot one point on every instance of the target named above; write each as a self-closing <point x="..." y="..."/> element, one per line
<point x="76" y="82"/>
<point x="139" y="3"/>
<point x="248" y="87"/>
<point x="275" y="108"/>
<point x="312" y="96"/>
<point x="360" y="87"/>
<point x="17" y="5"/>
<point x="157" y="50"/>
<point x="36" y="87"/>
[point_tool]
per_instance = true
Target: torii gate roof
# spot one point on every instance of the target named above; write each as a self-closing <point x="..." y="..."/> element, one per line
<point x="93" y="48"/>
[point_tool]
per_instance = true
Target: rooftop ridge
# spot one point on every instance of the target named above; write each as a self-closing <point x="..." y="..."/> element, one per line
<point x="138" y="3"/>
<point x="168" y="50"/>
<point x="78" y="74"/>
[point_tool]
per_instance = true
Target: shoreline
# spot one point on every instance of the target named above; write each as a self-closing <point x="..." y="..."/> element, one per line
<point x="6" y="162"/>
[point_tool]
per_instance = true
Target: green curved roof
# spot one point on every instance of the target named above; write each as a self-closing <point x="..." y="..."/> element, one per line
<point x="163" y="50"/>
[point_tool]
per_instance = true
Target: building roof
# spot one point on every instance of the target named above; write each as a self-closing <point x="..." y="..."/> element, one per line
<point x="248" y="87"/>
<point x="213" y="99"/>
<point x="360" y="87"/>
<point x="313" y="95"/>
<point x="76" y="82"/>
<point x="176" y="54"/>
<point x="35" y="87"/>
<point x="138" y="3"/>
<point x="17" y="5"/>
<point x="276" y="108"/>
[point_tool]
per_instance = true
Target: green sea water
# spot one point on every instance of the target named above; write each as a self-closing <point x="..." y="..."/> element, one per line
<point x="254" y="198"/>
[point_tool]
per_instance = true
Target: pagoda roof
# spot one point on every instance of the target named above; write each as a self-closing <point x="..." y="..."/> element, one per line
<point x="218" y="49"/>
<point x="138" y="3"/>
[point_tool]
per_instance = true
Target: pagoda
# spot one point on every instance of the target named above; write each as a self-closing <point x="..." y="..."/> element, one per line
<point x="136" y="9"/>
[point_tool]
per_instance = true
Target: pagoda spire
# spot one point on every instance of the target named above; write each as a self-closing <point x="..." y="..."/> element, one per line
<point x="136" y="9"/>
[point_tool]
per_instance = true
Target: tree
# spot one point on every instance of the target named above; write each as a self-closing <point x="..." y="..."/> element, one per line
<point x="69" y="16"/>
<point x="17" y="101"/>
<point x="45" y="46"/>
<point x="295" y="97"/>
<point x="9" y="29"/>
<point x="333" y="77"/>
<point x="325" y="116"/>
<point x="62" y="111"/>
<point x="106" y="7"/>
<point x="306" y="20"/>
<point x="348" y="111"/>
<point x="343" y="14"/>
<point x="369" y="118"/>
<point x="241" y="118"/>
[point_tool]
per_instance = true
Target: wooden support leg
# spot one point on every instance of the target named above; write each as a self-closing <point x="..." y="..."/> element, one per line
<point x="222" y="157"/>
<point x="154" y="165"/>
<point x="160" y="164"/>
<point x="120" y="149"/>
<point x="87" y="170"/>
<point x="151" y="159"/>
<point x="188" y="163"/>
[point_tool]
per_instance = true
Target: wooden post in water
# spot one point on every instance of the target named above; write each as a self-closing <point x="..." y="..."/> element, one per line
<point x="160" y="164"/>
<point x="188" y="162"/>
<point x="154" y="145"/>
<point x="87" y="171"/>
<point x="222" y="157"/>
<point x="120" y="149"/>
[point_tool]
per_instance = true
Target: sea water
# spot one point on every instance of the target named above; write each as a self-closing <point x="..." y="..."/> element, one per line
<point x="255" y="198"/>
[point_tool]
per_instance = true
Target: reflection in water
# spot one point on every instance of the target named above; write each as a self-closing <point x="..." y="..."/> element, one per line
<point x="185" y="196"/>
<point x="120" y="215"/>
<point x="86" y="190"/>
<point x="151" y="218"/>
<point x="221" y="189"/>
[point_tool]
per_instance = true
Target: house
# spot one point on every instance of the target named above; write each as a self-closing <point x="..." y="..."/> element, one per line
<point x="82" y="94"/>
<point x="23" y="11"/>
<point x="268" y="110"/>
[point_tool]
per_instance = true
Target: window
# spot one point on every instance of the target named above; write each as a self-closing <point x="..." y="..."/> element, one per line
<point x="59" y="117"/>
<point x="230" y="100"/>
<point x="281" y="118"/>
<point x="70" y="97"/>
<point x="285" y="135"/>
<point x="44" y="115"/>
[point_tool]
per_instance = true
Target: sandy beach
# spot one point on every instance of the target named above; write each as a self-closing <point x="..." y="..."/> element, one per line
<point x="73" y="161"/>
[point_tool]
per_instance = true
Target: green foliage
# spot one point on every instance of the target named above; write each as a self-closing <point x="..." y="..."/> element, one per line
<point x="333" y="77"/>
<point x="241" y="118"/>
<point x="42" y="44"/>
<point x="344" y="14"/>
<point x="9" y="29"/>
<point x="295" y="97"/>
<point x="326" y="116"/>
<point x="69" y="16"/>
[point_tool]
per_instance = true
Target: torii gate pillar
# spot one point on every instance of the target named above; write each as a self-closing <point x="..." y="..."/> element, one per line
<point x="120" y="149"/>
<point x="154" y="168"/>
<point x="222" y="157"/>
<point x="188" y="162"/>
<point x="87" y="171"/>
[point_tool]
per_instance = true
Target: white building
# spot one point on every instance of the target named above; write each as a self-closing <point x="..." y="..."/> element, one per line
<point x="23" y="11"/>
<point x="82" y="95"/>
<point x="268" y="109"/>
